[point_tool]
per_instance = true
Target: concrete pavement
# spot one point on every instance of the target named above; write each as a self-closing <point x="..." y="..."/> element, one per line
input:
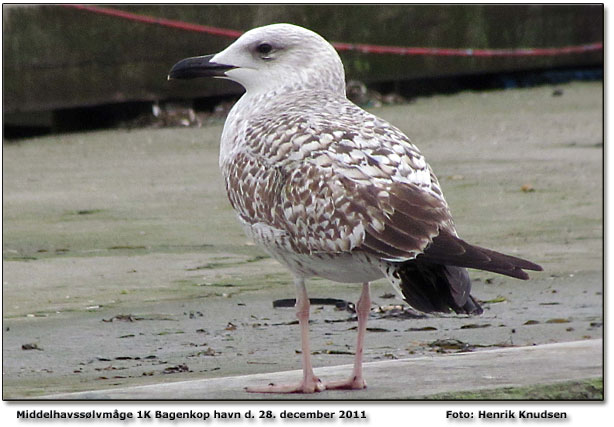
<point x="412" y="378"/>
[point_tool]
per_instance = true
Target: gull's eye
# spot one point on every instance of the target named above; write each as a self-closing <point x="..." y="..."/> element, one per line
<point x="264" y="48"/>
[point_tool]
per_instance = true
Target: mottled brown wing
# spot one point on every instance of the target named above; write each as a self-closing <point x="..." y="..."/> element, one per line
<point x="331" y="209"/>
<point x="336" y="186"/>
<point x="321" y="212"/>
<point x="254" y="189"/>
<point x="414" y="217"/>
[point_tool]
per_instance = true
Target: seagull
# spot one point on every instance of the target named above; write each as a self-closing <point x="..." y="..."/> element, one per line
<point x="333" y="191"/>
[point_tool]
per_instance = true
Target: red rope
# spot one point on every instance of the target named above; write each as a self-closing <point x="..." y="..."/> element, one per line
<point x="363" y="48"/>
<point x="159" y="21"/>
<point x="434" y="51"/>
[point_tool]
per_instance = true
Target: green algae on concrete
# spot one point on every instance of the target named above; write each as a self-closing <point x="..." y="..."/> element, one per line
<point x="590" y="389"/>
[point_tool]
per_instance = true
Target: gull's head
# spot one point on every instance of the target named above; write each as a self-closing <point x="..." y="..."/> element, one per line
<point x="278" y="56"/>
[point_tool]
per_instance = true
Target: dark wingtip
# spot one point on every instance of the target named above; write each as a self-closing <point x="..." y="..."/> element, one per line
<point x="527" y="265"/>
<point x="519" y="274"/>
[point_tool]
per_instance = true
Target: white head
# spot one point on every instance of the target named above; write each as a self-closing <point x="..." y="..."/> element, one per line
<point x="273" y="57"/>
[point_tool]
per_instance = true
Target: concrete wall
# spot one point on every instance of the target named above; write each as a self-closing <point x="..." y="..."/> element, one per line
<point x="56" y="57"/>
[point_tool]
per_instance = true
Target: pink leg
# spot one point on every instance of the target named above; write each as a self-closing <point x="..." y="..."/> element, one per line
<point x="356" y="380"/>
<point x="310" y="382"/>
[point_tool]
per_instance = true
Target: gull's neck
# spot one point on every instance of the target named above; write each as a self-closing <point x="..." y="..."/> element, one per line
<point x="261" y="98"/>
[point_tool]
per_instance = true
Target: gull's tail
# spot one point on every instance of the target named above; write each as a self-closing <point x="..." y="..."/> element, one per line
<point x="437" y="279"/>
<point x="448" y="249"/>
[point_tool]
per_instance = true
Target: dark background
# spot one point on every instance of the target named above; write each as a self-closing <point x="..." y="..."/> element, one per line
<point x="65" y="67"/>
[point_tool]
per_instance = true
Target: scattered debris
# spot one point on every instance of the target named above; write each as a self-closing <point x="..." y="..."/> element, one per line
<point x="176" y="369"/>
<point x="475" y="326"/>
<point x="193" y="314"/>
<point x="426" y="328"/>
<point x="210" y="266"/>
<point x="295" y="322"/>
<point x="397" y="312"/>
<point x="108" y="368"/>
<point x="208" y="352"/>
<point x="259" y="325"/>
<point x="458" y="346"/>
<point x="39" y="314"/>
<point x="121" y="318"/>
<point x="557" y="320"/>
<point x="126" y="247"/>
<point x="88" y="211"/>
<point x="31" y="346"/>
<point x="132" y="318"/>
<point x="495" y="300"/>
<point x="338" y="352"/>
<point x="174" y="114"/>
<point x="170" y="333"/>
<point x="388" y="295"/>
<point x="378" y="330"/>
<point x="338" y="303"/>
<point x="444" y="345"/>
<point x="359" y="94"/>
<point x="285" y="303"/>
<point x="531" y="322"/>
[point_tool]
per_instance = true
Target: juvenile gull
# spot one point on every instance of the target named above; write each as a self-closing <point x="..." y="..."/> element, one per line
<point x="330" y="190"/>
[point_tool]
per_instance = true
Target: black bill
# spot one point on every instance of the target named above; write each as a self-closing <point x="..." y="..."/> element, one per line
<point x="198" y="66"/>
